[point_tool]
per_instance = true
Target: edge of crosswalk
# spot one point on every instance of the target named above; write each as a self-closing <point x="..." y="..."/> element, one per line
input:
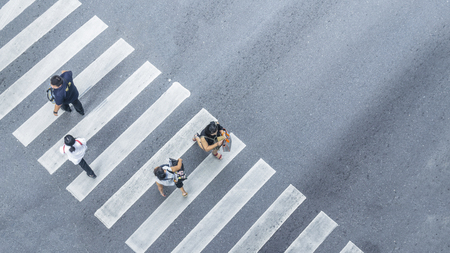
<point x="11" y="10"/>
<point x="313" y="235"/>
<point x="351" y="248"/>
<point x="40" y="72"/>
<point x="33" y="32"/>
<point x="216" y="219"/>
<point x="270" y="221"/>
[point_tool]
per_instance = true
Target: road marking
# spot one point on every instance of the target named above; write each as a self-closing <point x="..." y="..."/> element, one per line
<point x="313" y="235"/>
<point x="175" y="204"/>
<point x="351" y="248"/>
<point x="270" y="221"/>
<point x="11" y="10"/>
<point x="129" y="140"/>
<point x="32" y="33"/>
<point x="40" y="73"/>
<point x="143" y="179"/>
<point x="43" y="118"/>
<point x="226" y="209"/>
<point x="100" y="116"/>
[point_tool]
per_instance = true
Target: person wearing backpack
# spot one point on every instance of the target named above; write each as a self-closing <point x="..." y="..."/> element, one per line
<point x="171" y="174"/>
<point x="65" y="93"/>
<point x="75" y="150"/>
<point x="211" y="138"/>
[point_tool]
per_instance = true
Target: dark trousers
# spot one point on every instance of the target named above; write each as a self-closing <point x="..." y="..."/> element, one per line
<point x="86" y="167"/>
<point x="76" y="104"/>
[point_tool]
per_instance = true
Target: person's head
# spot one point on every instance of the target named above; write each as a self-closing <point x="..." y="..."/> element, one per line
<point x="69" y="141"/>
<point x="159" y="173"/>
<point x="56" y="81"/>
<point x="212" y="128"/>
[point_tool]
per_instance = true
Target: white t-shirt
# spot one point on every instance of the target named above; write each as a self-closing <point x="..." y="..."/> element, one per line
<point x="80" y="150"/>
<point x="168" y="181"/>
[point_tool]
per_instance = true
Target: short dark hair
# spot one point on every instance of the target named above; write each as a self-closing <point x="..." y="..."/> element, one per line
<point x="56" y="80"/>
<point x="159" y="173"/>
<point x="211" y="128"/>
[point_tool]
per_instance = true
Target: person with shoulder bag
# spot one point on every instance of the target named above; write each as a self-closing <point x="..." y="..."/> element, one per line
<point x="171" y="174"/>
<point x="75" y="150"/>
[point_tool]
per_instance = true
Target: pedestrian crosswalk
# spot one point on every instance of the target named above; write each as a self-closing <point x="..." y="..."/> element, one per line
<point x="129" y="140"/>
<point x="143" y="179"/>
<point x="103" y="113"/>
<point x="36" y="30"/>
<point x="254" y="179"/>
<point x="48" y="66"/>
<point x="270" y="221"/>
<point x="199" y="179"/>
<point x="11" y="10"/>
<point x="39" y="121"/>
<point x="228" y="206"/>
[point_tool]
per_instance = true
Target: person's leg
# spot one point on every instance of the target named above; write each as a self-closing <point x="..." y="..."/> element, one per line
<point x="217" y="154"/>
<point x="179" y="185"/>
<point x="87" y="168"/>
<point x="66" y="107"/>
<point x="183" y="192"/>
<point x="78" y="106"/>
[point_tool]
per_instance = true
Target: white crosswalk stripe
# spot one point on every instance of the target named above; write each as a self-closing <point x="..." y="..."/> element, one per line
<point x="143" y="179"/>
<point x="313" y="235"/>
<point x="227" y="207"/>
<point x="40" y="72"/>
<point x="42" y="25"/>
<point x="43" y="118"/>
<point x="110" y="107"/>
<point x="11" y="10"/>
<point x="175" y="204"/>
<point x="129" y="140"/>
<point x="270" y="221"/>
<point x="351" y="248"/>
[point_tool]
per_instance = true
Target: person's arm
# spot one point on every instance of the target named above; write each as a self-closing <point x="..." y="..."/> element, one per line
<point x="206" y="147"/>
<point x="178" y="167"/>
<point x="161" y="189"/>
<point x="56" y="109"/>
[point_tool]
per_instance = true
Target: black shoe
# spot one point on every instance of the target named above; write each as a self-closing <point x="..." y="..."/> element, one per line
<point x="82" y="113"/>
<point x="92" y="175"/>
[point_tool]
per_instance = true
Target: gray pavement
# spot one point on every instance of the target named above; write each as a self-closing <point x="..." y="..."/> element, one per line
<point x="347" y="101"/>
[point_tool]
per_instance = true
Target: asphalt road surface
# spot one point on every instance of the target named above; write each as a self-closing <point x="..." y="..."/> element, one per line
<point x="347" y="101"/>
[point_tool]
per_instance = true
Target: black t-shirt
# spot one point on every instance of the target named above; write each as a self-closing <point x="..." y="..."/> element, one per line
<point x="67" y="93"/>
<point x="211" y="139"/>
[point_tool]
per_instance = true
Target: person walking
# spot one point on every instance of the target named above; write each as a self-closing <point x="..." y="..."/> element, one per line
<point x="75" y="150"/>
<point x="166" y="175"/>
<point x="211" y="138"/>
<point x="65" y="93"/>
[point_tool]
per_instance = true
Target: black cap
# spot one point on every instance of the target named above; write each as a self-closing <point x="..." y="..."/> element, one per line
<point x="69" y="140"/>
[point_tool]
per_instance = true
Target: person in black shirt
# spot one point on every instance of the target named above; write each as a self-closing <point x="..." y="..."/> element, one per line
<point x="211" y="138"/>
<point x="65" y="93"/>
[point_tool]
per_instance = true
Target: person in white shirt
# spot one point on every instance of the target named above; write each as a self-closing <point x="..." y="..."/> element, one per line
<point x="166" y="176"/>
<point x="75" y="150"/>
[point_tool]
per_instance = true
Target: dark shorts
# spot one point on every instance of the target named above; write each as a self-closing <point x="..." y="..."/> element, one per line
<point x="179" y="184"/>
